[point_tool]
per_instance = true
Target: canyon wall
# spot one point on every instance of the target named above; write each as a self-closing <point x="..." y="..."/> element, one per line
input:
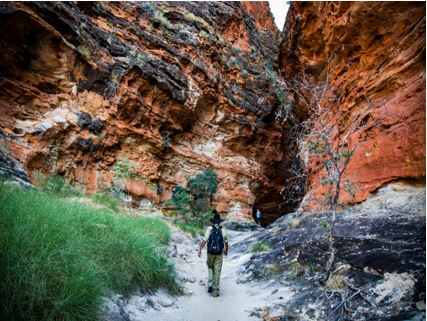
<point x="168" y="88"/>
<point x="174" y="88"/>
<point x="373" y="54"/>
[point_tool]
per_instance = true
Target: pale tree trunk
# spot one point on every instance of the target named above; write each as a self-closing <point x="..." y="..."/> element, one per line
<point x="332" y="249"/>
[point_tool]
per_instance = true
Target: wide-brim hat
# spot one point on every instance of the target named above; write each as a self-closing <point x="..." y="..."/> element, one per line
<point x="216" y="218"/>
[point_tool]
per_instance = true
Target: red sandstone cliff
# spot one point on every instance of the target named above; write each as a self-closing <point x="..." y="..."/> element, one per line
<point x="177" y="87"/>
<point x="260" y="12"/>
<point x="172" y="87"/>
<point x="375" y="54"/>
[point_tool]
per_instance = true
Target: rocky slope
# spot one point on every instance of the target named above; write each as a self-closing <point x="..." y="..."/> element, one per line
<point x="373" y="54"/>
<point x="173" y="88"/>
<point x="379" y="271"/>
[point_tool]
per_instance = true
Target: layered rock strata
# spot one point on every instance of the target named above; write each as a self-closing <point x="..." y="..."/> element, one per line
<point x="172" y="88"/>
<point x="177" y="87"/>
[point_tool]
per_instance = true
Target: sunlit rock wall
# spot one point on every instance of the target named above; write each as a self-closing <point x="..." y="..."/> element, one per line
<point x="374" y="56"/>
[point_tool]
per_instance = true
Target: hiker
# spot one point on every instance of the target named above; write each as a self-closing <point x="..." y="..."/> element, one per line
<point x="258" y="216"/>
<point x="217" y="241"/>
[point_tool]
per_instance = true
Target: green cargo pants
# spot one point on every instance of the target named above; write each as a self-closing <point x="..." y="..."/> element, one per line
<point x="214" y="269"/>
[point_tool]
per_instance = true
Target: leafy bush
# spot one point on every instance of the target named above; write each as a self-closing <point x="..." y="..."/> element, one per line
<point x="193" y="203"/>
<point x="181" y="200"/>
<point x="123" y="169"/>
<point x="203" y="185"/>
<point x="296" y="270"/>
<point x="275" y="270"/>
<point x="58" y="259"/>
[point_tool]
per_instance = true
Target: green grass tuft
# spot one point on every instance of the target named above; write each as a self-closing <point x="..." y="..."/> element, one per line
<point x="260" y="247"/>
<point x="55" y="185"/>
<point x="192" y="229"/>
<point x="106" y="199"/>
<point x="58" y="259"/>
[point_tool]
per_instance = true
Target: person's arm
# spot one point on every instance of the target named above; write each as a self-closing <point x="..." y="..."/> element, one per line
<point x="204" y="241"/>
<point x="224" y="234"/>
<point x="202" y="245"/>
<point x="226" y="248"/>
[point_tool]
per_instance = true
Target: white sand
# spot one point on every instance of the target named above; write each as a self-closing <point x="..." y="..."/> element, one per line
<point x="235" y="302"/>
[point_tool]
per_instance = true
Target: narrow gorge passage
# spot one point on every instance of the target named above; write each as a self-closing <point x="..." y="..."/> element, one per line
<point x="237" y="301"/>
<point x="123" y="110"/>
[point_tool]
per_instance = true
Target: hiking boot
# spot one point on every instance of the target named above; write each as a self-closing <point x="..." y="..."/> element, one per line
<point x="210" y="289"/>
<point x="215" y="294"/>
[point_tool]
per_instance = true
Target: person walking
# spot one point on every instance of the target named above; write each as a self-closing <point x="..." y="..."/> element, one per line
<point x="217" y="241"/>
<point x="257" y="216"/>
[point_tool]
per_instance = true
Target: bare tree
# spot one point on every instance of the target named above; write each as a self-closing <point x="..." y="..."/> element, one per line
<point x="323" y="138"/>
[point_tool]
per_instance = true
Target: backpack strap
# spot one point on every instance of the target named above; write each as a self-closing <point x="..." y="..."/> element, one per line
<point x="212" y="228"/>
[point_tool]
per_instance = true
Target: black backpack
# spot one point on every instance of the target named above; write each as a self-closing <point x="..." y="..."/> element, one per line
<point x="215" y="241"/>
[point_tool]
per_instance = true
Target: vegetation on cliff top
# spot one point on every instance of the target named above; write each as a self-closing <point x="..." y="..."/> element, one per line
<point x="58" y="258"/>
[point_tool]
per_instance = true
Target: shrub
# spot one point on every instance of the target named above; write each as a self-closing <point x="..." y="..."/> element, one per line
<point x="296" y="270"/>
<point x="203" y="185"/>
<point x="201" y="218"/>
<point x="160" y="16"/>
<point x="193" y="203"/>
<point x="148" y="6"/>
<point x="123" y="168"/>
<point x="85" y="52"/>
<point x="276" y="269"/>
<point x="181" y="199"/>
<point x="285" y="107"/>
<point x="335" y="282"/>
<point x="260" y="247"/>
<point x="58" y="259"/>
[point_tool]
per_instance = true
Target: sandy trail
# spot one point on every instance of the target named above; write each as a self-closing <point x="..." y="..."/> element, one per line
<point x="236" y="300"/>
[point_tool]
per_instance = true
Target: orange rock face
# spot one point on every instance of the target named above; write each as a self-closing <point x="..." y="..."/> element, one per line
<point x="172" y="88"/>
<point x="260" y="12"/>
<point x="374" y="56"/>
